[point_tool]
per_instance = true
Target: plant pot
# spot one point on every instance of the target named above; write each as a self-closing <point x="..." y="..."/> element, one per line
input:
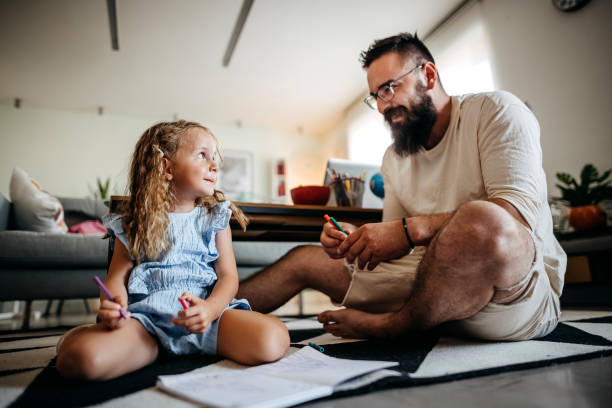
<point x="586" y="217"/>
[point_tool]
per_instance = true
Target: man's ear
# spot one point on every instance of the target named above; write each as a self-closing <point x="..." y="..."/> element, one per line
<point x="168" y="169"/>
<point x="431" y="74"/>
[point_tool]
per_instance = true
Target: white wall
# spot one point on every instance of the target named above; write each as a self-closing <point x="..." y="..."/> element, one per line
<point x="65" y="151"/>
<point x="559" y="63"/>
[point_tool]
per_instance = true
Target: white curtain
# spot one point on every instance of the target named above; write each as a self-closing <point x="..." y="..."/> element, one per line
<point x="461" y="48"/>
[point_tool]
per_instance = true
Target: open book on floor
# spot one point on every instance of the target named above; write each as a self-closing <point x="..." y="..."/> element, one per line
<point x="301" y="376"/>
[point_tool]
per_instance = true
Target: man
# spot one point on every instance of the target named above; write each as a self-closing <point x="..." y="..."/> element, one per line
<point x="466" y="239"/>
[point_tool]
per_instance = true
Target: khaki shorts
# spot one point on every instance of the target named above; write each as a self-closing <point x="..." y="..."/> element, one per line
<point x="532" y="311"/>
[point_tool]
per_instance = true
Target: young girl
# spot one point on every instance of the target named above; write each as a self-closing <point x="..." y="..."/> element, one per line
<point x="173" y="242"/>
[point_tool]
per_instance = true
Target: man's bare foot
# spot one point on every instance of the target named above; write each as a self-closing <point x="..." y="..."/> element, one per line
<point x="355" y="324"/>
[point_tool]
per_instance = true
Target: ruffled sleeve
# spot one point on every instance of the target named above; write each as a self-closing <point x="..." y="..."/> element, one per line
<point x="221" y="216"/>
<point x="112" y="222"/>
<point x="219" y="220"/>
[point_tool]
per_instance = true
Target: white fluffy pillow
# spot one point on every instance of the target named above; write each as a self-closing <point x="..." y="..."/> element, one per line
<point x="35" y="209"/>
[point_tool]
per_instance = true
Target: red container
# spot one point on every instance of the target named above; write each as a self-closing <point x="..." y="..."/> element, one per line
<point x="310" y="195"/>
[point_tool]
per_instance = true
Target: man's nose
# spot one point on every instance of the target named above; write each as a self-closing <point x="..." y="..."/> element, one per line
<point x="381" y="105"/>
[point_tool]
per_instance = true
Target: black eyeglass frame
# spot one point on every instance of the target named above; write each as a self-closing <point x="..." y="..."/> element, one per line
<point x="390" y="85"/>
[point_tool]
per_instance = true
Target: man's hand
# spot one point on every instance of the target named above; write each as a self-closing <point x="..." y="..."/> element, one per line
<point x="373" y="243"/>
<point x="331" y="238"/>
<point x="198" y="316"/>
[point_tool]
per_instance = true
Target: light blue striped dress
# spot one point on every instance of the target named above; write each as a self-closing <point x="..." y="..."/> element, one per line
<point x="154" y="286"/>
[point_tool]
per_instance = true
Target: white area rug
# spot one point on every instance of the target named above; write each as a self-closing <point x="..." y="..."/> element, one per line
<point x="28" y="376"/>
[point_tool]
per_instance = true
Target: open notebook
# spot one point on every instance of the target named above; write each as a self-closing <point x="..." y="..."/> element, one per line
<point x="301" y="376"/>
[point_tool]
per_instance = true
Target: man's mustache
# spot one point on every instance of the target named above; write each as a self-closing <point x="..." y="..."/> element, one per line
<point x="390" y="112"/>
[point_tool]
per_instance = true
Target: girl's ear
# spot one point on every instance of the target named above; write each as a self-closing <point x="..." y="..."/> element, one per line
<point x="168" y="170"/>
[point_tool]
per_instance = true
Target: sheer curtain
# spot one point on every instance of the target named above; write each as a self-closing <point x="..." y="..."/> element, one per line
<point x="461" y="48"/>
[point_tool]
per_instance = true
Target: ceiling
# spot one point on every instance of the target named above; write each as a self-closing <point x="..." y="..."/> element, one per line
<point x="295" y="63"/>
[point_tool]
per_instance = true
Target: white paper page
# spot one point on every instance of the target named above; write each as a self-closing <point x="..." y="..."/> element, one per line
<point x="366" y="379"/>
<point x="328" y="338"/>
<point x="310" y="365"/>
<point x="241" y="389"/>
<point x="303" y="324"/>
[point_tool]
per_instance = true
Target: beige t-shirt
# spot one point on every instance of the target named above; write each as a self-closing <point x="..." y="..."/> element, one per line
<point x="491" y="149"/>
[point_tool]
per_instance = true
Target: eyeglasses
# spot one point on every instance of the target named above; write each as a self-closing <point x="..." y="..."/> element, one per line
<point x="387" y="90"/>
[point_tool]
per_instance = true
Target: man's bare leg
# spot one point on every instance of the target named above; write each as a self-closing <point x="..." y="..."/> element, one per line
<point x="481" y="248"/>
<point x="303" y="267"/>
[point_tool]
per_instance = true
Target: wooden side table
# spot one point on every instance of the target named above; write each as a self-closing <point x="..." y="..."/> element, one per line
<point x="596" y="289"/>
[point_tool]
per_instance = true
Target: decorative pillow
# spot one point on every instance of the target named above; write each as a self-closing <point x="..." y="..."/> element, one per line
<point x="89" y="227"/>
<point x="35" y="209"/>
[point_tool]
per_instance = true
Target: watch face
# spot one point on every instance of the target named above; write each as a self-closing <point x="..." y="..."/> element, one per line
<point x="569" y="5"/>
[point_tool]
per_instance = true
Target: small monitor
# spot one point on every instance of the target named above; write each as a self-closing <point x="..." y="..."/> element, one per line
<point x="354" y="169"/>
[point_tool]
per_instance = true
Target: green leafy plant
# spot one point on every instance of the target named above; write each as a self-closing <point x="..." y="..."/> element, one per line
<point x="103" y="189"/>
<point x="592" y="189"/>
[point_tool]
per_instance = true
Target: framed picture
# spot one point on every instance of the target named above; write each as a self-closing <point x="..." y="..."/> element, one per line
<point x="236" y="174"/>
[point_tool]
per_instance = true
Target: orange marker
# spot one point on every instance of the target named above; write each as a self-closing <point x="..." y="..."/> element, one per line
<point x="334" y="223"/>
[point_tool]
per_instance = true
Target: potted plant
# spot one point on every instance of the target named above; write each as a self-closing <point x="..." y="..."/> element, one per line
<point x="583" y="198"/>
<point x="103" y="189"/>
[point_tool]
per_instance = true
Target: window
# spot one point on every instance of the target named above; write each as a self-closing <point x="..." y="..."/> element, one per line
<point x="462" y="52"/>
<point x="368" y="137"/>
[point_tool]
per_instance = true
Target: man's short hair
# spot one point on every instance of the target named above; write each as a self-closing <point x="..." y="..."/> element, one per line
<point x="405" y="44"/>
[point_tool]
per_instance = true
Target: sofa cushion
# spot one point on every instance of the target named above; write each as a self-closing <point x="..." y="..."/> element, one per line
<point x="58" y="283"/>
<point x="27" y="249"/>
<point x="250" y="253"/>
<point x="92" y="209"/>
<point x="5" y="212"/>
<point x="35" y="209"/>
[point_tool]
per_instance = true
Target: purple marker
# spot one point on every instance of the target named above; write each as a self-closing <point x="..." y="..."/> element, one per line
<point x="108" y="295"/>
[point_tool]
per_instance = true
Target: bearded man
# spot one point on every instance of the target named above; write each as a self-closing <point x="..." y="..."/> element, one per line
<point x="466" y="242"/>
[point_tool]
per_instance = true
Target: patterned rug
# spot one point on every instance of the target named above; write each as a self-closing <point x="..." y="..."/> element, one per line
<point x="28" y="376"/>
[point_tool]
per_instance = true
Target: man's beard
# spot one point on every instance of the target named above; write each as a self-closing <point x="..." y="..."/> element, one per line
<point x="413" y="132"/>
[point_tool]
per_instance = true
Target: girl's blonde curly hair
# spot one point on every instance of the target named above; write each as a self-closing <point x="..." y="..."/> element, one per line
<point x="152" y="196"/>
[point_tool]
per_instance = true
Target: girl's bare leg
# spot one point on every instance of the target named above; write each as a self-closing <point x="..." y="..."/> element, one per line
<point x="251" y="338"/>
<point x="96" y="353"/>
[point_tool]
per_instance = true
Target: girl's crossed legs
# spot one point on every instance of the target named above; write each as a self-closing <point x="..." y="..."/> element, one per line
<point x="96" y="353"/>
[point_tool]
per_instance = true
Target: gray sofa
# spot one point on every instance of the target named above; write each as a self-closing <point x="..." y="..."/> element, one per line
<point x="35" y="265"/>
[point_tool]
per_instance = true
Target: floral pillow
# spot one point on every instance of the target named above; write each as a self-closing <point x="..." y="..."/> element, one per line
<point x="35" y="209"/>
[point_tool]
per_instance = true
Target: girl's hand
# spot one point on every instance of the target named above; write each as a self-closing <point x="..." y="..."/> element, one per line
<point x="109" y="312"/>
<point x="331" y="238"/>
<point x="198" y="316"/>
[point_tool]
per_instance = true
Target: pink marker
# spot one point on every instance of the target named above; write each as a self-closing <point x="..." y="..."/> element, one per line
<point x="185" y="305"/>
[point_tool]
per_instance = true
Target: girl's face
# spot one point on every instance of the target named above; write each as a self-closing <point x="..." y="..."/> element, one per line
<point x="193" y="169"/>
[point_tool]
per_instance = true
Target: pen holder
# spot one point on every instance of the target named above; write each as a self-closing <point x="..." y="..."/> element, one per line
<point x="348" y="192"/>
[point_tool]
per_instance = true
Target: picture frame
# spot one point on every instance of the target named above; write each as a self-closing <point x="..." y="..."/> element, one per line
<point x="236" y="174"/>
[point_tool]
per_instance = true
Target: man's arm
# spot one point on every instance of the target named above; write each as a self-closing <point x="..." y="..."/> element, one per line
<point x="511" y="158"/>
<point x="423" y="228"/>
<point x="511" y="209"/>
<point x="373" y="243"/>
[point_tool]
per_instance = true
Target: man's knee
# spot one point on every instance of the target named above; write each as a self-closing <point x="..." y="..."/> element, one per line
<point x="485" y="228"/>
